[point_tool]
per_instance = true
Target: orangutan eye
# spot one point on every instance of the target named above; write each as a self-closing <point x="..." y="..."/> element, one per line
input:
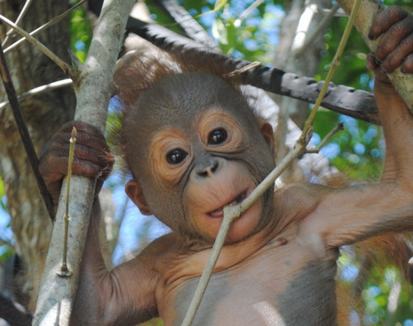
<point x="217" y="136"/>
<point x="176" y="156"/>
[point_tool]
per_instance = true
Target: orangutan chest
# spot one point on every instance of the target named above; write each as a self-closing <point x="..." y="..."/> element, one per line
<point x="261" y="292"/>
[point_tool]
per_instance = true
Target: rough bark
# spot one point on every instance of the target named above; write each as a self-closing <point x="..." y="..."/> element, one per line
<point x="292" y="36"/>
<point x="94" y="86"/>
<point x="43" y="115"/>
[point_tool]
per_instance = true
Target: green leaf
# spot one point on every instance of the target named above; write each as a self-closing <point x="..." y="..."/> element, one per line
<point x="2" y="189"/>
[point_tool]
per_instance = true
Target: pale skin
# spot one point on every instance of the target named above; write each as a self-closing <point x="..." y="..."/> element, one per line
<point x="277" y="267"/>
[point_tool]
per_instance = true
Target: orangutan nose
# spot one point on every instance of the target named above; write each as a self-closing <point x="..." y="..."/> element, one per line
<point x="208" y="168"/>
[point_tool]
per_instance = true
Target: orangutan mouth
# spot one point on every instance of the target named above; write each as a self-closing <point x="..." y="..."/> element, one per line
<point x="218" y="213"/>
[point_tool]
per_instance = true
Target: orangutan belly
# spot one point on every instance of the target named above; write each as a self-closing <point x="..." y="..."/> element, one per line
<point x="271" y="288"/>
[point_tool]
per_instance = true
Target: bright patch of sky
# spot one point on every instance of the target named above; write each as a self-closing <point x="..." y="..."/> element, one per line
<point x="268" y="24"/>
<point x="350" y="124"/>
<point x="330" y="150"/>
<point x="359" y="148"/>
<point x="373" y="291"/>
<point x="5" y="230"/>
<point x="370" y="134"/>
<point x="6" y="233"/>
<point x="315" y="140"/>
<point x="136" y="228"/>
<point x="349" y="272"/>
<point x="80" y="45"/>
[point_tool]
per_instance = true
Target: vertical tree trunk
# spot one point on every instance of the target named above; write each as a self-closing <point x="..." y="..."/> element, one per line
<point x="301" y="22"/>
<point x="298" y="25"/>
<point x="43" y="114"/>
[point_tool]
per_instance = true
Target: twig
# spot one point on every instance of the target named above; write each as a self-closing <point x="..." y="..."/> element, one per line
<point x="326" y="139"/>
<point x="310" y="40"/>
<point x="59" y="62"/>
<point x="51" y="22"/>
<point x="240" y="71"/>
<point x="40" y="89"/>
<point x="233" y="212"/>
<point x="18" y="20"/>
<point x="64" y="269"/>
<point x="410" y="269"/>
<point x="247" y="12"/>
<point x="24" y="133"/>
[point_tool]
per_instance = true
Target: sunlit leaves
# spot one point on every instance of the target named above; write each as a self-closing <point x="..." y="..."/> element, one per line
<point x="2" y="189"/>
<point x="219" y="4"/>
<point x="80" y="33"/>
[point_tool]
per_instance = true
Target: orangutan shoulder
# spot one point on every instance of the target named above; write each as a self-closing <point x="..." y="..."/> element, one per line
<point x="299" y="199"/>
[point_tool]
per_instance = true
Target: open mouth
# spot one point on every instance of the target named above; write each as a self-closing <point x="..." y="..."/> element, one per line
<point x="219" y="212"/>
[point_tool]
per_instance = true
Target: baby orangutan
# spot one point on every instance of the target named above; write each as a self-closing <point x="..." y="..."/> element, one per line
<point x="193" y="146"/>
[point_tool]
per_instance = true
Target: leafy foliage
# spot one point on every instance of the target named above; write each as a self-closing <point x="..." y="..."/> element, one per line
<point x="80" y="33"/>
<point x="6" y="238"/>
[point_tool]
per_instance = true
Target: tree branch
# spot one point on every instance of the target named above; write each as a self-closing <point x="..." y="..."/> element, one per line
<point x="39" y="90"/>
<point x="188" y="24"/>
<point x="51" y="22"/>
<point x="340" y="98"/>
<point x="55" y="302"/>
<point x="18" y="20"/>
<point x="368" y="9"/>
<point x="59" y="62"/>
<point x="310" y="39"/>
<point x="247" y="12"/>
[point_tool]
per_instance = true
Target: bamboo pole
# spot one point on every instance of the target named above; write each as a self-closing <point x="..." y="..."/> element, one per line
<point x="368" y="9"/>
<point x="93" y="88"/>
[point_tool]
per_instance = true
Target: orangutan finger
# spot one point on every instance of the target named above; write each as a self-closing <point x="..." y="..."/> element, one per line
<point x="385" y="19"/>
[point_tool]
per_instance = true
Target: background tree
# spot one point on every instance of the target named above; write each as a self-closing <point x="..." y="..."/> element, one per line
<point x="43" y="114"/>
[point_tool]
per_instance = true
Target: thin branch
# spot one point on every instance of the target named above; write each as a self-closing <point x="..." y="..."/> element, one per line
<point x="64" y="269"/>
<point x="339" y="13"/>
<point x="410" y="269"/>
<point x="51" y="22"/>
<point x="188" y="24"/>
<point x="59" y="62"/>
<point x="24" y="133"/>
<point x="40" y="90"/>
<point x="342" y="99"/>
<point x="233" y="212"/>
<point x="310" y="40"/>
<point x="247" y="12"/>
<point x="326" y="139"/>
<point x="18" y="20"/>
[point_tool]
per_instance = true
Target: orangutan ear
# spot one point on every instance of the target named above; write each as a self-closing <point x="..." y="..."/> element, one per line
<point x="134" y="191"/>
<point x="268" y="133"/>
